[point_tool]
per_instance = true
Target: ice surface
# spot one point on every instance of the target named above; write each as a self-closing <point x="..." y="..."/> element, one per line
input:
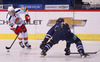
<point x="55" y="54"/>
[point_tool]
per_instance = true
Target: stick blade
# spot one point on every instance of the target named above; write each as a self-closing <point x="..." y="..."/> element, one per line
<point x="85" y="52"/>
<point x="7" y="47"/>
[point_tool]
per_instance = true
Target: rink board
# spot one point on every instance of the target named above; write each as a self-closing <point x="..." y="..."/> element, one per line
<point x="38" y="26"/>
<point x="89" y="37"/>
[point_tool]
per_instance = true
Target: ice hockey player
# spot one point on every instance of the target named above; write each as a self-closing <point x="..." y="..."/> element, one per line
<point x="16" y="24"/>
<point x="61" y="31"/>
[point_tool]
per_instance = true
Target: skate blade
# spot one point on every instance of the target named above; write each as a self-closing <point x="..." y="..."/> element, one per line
<point x="84" y="56"/>
<point x="29" y="48"/>
<point x="22" y="46"/>
<point x="42" y="55"/>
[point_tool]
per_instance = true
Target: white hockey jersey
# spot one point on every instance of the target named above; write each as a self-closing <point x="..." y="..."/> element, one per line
<point x="16" y="20"/>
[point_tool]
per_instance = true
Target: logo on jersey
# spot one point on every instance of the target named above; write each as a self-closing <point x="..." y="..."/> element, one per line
<point x="70" y="21"/>
<point x="17" y="20"/>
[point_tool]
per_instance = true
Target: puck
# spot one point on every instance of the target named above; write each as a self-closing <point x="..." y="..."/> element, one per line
<point x="8" y="51"/>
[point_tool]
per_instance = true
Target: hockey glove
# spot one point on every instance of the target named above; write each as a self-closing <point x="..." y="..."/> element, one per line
<point x="27" y="18"/>
<point x="15" y="31"/>
<point x="19" y="29"/>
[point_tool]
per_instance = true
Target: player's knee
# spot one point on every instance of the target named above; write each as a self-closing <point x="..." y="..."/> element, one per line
<point x="55" y="42"/>
<point x="25" y="35"/>
<point x="52" y="42"/>
<point x="21" y="35"/>
<point x="78" y="41"/>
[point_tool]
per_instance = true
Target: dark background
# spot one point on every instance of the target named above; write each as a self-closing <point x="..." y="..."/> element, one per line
<point x="43" y="2"/>
<point x="75" y="4"/>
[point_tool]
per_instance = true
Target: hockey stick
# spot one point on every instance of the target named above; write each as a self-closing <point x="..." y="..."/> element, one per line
<point x="86" y="52"/>
<point x="13" y="41"/>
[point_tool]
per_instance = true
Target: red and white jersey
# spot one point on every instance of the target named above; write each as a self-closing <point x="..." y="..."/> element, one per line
<point x="16" y="20"/>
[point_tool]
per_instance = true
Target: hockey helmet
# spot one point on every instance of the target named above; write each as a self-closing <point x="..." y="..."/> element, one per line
<point x="10" y="9"/>
<point x="60" y="20"/>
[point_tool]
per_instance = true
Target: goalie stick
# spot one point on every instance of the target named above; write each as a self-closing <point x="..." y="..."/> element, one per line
<point x="86" y="52"/>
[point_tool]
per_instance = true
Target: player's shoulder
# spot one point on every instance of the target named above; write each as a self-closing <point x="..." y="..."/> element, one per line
<point x="8" y="17"/>
<point x="17" y="10"/>
<point x="66" y="24"/>
<point x="57" y="23"/>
